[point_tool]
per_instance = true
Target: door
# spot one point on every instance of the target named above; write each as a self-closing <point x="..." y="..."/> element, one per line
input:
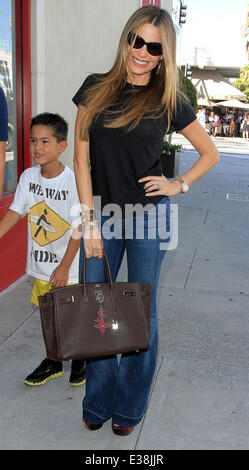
<point x="15" y="80"/>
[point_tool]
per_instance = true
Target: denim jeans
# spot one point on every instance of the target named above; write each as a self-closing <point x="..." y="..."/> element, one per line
<point x="120" y="389"/>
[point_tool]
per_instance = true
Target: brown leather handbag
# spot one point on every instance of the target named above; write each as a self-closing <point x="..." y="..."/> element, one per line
<point x="95" y="319"/>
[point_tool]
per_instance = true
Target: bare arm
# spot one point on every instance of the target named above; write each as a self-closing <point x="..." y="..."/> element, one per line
<point x="2" y="162"/>
<point x="209" y="157"/>
<point x="82" y="165"/>
<point x="92" y="238"/>
<point x="8" y="221"/>
<point x="60" y="275"/>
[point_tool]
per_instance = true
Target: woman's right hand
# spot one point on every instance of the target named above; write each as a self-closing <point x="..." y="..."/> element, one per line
<point x="93" y="243"/>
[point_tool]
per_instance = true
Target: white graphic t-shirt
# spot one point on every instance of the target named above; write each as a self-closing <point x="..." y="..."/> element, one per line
<point x="53" y="209"/>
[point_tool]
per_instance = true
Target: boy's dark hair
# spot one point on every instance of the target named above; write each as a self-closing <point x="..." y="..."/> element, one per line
<point x="55" y="121"/>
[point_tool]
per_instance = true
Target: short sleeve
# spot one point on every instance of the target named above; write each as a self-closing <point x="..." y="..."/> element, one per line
<point x="183" y="115"/>
<point x="80" y="96"/>
<point x="75" y="207"/>
<point x="20" y="203"/>
<point x="3" y="117"/>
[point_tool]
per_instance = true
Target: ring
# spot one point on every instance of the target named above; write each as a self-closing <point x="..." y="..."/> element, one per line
<point x="95" y="255"/>
<point x="159" y="186"/>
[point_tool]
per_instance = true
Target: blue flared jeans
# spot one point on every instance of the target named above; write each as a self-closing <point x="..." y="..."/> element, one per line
<point x="119" y="388"/>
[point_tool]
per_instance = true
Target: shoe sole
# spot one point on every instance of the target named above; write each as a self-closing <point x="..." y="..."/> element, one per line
<point x="119" y="431"/>
<point x="77" y="384"/>
<point x="35" y="384"/>
<point x="92" y="427"/>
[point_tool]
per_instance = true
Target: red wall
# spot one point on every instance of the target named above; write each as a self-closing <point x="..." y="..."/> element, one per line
<point x="13" y="247"/>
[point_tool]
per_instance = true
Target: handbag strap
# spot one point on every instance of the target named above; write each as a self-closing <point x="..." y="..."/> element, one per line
<point x="106" y="263"/>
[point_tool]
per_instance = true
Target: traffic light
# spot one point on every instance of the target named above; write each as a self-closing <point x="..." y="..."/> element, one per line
<point x="188" y="72"/>
<point x="182" y="13"/>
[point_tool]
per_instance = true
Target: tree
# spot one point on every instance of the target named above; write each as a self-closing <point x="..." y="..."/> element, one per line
<point x="242" y="83"/>
<point x="188" y="89"/>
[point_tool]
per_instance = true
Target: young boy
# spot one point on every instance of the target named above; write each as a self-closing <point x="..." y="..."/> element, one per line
<point x="47" y="193"/>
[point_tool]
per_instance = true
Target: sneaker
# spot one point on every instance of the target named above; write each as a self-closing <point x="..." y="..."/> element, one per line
<point x="78" y="373"/>
<point x="47" y="370"/>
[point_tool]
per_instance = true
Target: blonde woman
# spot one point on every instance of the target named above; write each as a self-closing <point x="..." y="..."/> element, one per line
<point x="122" y="118"/>
<point x="245" y="126"/>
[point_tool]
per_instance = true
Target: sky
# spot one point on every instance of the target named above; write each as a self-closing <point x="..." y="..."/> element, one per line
<point x="212" y="25"/>
<point x="217" y="26"/>
<point x="5" y="13"/>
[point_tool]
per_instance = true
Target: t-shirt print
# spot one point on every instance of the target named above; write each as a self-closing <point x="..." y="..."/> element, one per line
<point x="53" y="211"/>
<point x="46" y="225"/>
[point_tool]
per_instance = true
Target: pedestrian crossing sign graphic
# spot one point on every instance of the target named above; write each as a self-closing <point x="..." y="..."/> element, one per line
<point x="46" y="225"/>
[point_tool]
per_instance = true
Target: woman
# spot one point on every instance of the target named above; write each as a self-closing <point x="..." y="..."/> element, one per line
<point x="232" y="127"/>
<point x="211" y="119"/>
<point x="124" y="115"/>
<point x="216" y="124"/>
<point x="245" y="126"/>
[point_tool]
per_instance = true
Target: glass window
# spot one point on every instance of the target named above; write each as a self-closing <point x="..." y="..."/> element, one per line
<point x="8" y="84"/>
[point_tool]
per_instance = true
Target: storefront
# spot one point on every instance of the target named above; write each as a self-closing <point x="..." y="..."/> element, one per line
<point x="15" y="80"/>
<point x="51" y="46"/>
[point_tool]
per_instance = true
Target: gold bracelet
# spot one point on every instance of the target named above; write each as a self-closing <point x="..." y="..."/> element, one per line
<point x="88" y="216"/>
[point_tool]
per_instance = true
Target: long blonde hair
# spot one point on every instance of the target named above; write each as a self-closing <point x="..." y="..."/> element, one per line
<point x="153" y="100"/>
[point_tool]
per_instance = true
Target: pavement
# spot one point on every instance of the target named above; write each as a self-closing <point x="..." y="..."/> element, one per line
<point x="200" y="395"/>
<point x="226" y="145"/>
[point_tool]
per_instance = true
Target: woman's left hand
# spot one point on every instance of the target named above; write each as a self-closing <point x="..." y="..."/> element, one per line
<point x="160" y="186"/>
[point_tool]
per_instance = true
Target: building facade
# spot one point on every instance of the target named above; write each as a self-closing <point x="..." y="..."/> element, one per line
<point x="47" y="49"/>
<point x="63" y="56"/>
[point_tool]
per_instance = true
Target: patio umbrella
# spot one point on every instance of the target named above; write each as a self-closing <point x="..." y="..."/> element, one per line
<point x="233" y="104"/>
<point x="205" y="102"/>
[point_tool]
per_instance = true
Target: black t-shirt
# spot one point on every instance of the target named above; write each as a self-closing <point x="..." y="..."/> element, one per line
<point x="120" y="158"/>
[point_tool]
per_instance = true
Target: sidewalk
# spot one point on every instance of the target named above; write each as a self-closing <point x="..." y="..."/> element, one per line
<point x="200" y="395"/>
<point x="228" y="145"/>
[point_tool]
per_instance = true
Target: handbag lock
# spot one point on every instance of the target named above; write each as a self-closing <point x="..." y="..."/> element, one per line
<point x="129" y="293"/>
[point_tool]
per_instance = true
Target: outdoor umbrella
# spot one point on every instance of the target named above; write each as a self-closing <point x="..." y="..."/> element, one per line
<point x="205" y="102"/>
<point x="233" y="104"/>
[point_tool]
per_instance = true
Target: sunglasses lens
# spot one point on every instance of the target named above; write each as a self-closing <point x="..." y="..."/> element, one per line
<point x="138" y="43"/>
<point x="155" y="49"/>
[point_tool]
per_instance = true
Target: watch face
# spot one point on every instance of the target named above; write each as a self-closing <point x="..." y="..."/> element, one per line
<point x="184" y="187"/>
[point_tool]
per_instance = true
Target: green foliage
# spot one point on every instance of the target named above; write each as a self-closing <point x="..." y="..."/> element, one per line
<point x="242" y="83"/>
<point x="188" y="89"/>
<point x="168" y="147"/>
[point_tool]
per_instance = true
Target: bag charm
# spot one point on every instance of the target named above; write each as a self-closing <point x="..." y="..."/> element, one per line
<point x="100" y="320"/>
<point x="102" y="313"/>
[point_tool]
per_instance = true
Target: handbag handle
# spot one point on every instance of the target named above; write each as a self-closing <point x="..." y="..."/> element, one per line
<point x="105" y="260"/>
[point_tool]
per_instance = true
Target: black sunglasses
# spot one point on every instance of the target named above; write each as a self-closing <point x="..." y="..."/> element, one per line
<point x="153" y="48"/>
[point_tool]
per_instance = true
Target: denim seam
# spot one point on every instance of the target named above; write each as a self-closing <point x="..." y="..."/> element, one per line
<point x="130" y="417"/>
<point x="94" y="405"/>
<point x="94" y="413"/>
